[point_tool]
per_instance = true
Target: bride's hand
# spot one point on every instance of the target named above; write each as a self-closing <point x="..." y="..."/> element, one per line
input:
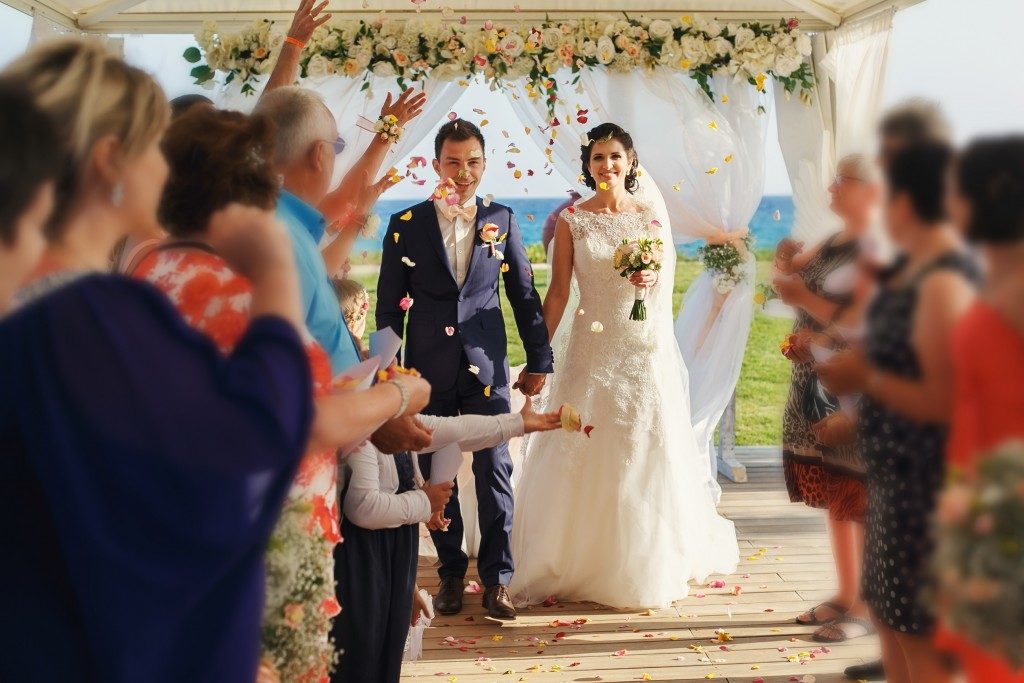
<point x="538" y="422"/>
<point x="644" y="278"/>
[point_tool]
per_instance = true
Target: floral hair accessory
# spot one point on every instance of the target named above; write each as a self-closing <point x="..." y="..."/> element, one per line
<point x="388" y="129"/>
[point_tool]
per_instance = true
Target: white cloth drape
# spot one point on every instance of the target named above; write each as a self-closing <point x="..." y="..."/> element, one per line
<point x="849" y="65"/>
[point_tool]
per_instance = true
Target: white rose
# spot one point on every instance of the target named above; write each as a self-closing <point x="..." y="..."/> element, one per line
<point x="786" y="65"/>
<point x="743" y="37"/>
<point x="390" y="42"/>
<point x="712" y="28"/>
<point x="319" y="67"/>
<point x="513" y="45"/>
<point x="693" y="50"/>
<point x="383" y="69"/>
<point x="414" y="26"/>
<point x="660" y="29"/>
<point x="720" y="46"/>
<point x="331" y="42"/>
<point x="605" y="50"/>
<point x="551" y="38"/>
<point x="363" y="58"/>
<point x="803" y="44"/>
<point x="589" y="48"/>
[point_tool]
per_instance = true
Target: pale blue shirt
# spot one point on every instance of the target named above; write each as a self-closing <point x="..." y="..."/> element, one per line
<point x="324" y="318"/>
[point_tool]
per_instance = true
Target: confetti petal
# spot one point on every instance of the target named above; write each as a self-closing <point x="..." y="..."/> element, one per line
<point x="452" y="116"/>
<point x="395" y="235"/>
<point x="596" y="327"/>
<point x="450" y="331"/>
<point x="619" y="653"/>
<point x="588" y="429"/>
<point x="474" y="369"/>
<point x="408" y="261"/>
<point x="407" y="216"/>
<point x="405" y="304"/>
<point x="487" y="391"/>
<point x="712" y="171"/>
<point x="488" y="199"/>
<point x="603" y="185"/>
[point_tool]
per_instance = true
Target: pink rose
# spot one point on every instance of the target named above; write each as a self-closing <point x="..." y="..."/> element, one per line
<point x="405" y="304"/>
<point x="645" y="257"/>
<point x="490" y="233"/>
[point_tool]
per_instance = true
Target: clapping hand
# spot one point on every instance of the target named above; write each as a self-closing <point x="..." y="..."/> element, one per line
<point x="538" y="422"/>
<point x="784" y="253"/>
<point x="408" y="106"/>
<point x="845" y="373"/>
<point x="307" y="20"/>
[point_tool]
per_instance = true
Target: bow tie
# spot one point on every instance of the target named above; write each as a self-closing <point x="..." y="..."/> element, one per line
<point x="454" y="211"/>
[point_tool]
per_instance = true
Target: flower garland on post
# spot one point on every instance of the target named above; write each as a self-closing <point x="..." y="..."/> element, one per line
<point x="412" y="49"/>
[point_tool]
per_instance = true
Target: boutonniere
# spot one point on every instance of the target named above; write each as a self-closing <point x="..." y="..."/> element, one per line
<point x="491" y="235"/>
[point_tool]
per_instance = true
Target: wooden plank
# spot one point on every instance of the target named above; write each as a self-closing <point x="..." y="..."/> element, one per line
<point x="785" y="567"/>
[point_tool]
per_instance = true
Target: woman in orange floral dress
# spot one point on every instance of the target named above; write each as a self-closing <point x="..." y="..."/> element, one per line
<point x="217" y="157"/>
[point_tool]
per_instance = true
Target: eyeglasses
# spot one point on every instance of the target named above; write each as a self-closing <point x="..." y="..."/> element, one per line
<point x="338" y="143"/>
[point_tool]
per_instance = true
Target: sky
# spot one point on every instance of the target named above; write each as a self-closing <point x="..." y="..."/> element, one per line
<point x="971" y="62"/>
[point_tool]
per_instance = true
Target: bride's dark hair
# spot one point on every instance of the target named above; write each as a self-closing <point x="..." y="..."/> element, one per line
<point x="607" y="132"/>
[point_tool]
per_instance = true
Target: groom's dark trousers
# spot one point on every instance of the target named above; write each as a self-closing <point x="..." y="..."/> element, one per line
<point x="451" y="329"/>
<point x="492" y="470"/>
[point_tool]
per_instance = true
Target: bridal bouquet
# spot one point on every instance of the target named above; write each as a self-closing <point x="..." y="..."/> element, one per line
<point x="979" y="561"/>
<point x="635" y="256"/>
<point x="726" y="264"/>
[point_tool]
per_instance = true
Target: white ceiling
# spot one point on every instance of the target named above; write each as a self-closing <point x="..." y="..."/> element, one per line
<point x="165" y="16"/>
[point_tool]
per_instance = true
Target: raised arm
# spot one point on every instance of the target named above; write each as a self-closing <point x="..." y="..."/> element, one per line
<point x="370" y="507"/>
<point x="307" y="19"/>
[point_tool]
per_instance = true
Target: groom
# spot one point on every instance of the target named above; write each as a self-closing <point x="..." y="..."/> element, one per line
<point x="434" y="254"/>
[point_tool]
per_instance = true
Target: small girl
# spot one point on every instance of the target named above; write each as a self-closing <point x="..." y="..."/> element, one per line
<point x="355" y="304"/>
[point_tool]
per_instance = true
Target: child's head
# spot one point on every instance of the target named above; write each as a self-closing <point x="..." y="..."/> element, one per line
<point x="354" y="302"/>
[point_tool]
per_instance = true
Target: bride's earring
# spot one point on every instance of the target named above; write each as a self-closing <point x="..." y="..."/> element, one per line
<point x="117" y="195"/>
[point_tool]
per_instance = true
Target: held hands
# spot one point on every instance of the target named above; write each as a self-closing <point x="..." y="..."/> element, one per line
<point x="408" y="106"/>
<point x="438" y="522"/>
<point x="644" y="278"/>
<point x="307" y="19"/>
<point x="845" y="373"/>
<point x="530" y="383"/>
<point x="538" y="422"/>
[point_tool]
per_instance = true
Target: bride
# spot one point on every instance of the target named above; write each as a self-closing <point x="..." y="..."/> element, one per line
<point x="621" y="516"/>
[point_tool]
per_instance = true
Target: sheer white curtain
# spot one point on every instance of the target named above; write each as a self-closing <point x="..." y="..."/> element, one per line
<point x="849" y="65"/>
<point x="707" y="159"/>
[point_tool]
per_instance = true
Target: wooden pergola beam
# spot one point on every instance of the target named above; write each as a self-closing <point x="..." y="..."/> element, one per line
<point x="105" y="10"/>
<point x="817" y="11"/>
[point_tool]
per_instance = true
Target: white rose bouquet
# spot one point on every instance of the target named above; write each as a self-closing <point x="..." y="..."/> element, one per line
<point x="725" y="261"/>
<point x="635" y="256"/>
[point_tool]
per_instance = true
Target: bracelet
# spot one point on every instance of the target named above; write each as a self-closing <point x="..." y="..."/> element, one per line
<point x="295" y="41"/>
<point x="405" y="398"/>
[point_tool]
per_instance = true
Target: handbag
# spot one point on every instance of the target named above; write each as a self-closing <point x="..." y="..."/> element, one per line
<point x="816" y="403"/>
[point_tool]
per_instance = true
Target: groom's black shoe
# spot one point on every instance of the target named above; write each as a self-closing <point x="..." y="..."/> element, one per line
<point x="449" y="596"/>
<point x="498" y="603"/>
<point x="872" y="671"/>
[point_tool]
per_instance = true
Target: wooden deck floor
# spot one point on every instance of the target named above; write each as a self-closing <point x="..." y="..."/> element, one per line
<point x="785" y="567"/>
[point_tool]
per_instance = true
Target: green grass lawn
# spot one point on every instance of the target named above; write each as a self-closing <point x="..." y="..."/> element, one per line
<point x="764" y="379"/>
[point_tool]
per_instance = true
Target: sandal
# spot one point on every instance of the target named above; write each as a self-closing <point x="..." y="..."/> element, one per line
<point x="840" y="611"/>
<point x="840" y="634"/>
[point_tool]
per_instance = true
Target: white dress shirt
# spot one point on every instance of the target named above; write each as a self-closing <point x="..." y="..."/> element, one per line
<point x="458" y="239"/>
<point x="371" y="500"/>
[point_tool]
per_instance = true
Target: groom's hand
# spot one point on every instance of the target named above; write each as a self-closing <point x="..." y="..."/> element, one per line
<point x="401" y="434"/>
<point x="530" y="383"/>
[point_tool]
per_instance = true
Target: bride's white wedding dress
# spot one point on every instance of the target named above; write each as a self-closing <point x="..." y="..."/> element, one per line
<point x="625" y="517"/>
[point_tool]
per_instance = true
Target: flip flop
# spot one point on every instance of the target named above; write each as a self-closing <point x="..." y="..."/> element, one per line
<point x="834" y="606"/>
<point x="864" y="624"/>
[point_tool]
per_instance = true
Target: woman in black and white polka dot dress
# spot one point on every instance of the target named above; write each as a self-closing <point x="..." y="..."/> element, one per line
<point x="904" y="375"/>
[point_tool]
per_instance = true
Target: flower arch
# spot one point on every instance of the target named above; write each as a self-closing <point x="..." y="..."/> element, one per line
<point x="411" y="50"/>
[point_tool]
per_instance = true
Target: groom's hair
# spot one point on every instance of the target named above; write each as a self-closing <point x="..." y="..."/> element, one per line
<point x="457" y="130"/>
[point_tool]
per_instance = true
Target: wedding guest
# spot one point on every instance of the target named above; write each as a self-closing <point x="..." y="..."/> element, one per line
<point x="988" y="342"/>
<point x="305" y="144"/>
<point x="355" y="305"/>
<point x="829" y="477"/>
<point x="905" y="378"/>
<point x="215" y="158"/>
<point x="142" y="469"/>
<point x="185" y="103"/>
<point x="30" y="161"/>
<point x="383" y="507"/>
<point x="548" y="233"/>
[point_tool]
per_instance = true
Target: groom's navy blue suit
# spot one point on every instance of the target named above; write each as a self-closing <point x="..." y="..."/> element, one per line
<point x="450" y="329"/>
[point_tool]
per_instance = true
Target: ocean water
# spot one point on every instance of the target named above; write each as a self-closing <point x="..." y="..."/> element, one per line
<point x="532" y="212"/>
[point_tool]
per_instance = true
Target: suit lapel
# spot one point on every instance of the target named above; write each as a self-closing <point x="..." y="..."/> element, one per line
<point x="434" y="235"/>
<point x="474" y="254"/>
